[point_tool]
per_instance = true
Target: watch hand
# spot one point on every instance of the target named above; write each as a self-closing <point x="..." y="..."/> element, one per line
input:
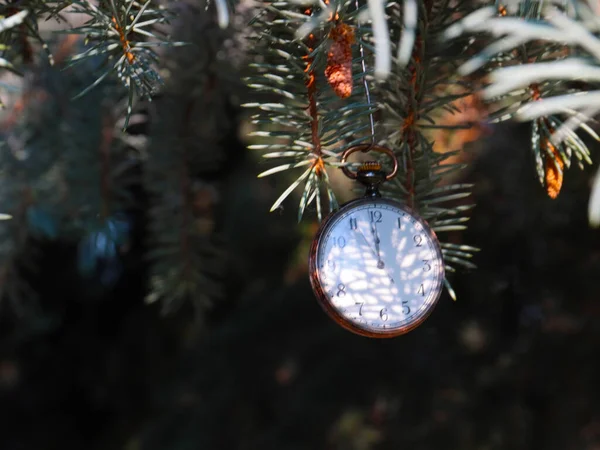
<point x="380" y="263"/>
<point x="369" y="245"/>
<point x="376" y="237"/>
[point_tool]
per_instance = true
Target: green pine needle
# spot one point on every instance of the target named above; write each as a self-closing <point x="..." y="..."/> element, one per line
<point x="121" y="31"/>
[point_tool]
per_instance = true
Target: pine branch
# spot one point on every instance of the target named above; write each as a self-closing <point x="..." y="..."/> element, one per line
<point x="124" y="33"/>
<point x="11" y="24"/>
<point x="65" y="167"/>
<point x="541" y="49"/>
<point x="186" y="257"/>
<point x="310" y="72"/>
<point x="27" y="190"/>
<point x="20" y="26"/>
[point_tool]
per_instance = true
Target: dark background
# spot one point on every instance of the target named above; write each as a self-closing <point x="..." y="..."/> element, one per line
<point x="513" y="364"/>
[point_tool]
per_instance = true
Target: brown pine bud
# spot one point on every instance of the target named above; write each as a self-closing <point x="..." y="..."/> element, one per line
<point x="339" y="60"/>
<point x="554" y="177"/>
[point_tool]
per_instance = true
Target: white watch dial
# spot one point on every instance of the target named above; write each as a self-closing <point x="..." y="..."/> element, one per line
<point x="379" y="266"/>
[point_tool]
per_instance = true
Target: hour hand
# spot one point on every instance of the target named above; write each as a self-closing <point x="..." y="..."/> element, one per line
<point x="376" y="253"/>
<point x="380" y="263"/>
<point x="374" y="231"/>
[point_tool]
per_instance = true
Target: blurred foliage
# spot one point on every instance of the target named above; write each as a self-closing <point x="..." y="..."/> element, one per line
<point x="534" y="69"/>
<point x="71" y="172"/>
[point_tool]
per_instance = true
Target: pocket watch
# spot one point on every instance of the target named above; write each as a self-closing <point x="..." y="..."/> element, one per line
<point x="375" y="265"/>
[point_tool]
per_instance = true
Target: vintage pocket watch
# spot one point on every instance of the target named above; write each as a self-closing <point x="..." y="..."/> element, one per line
<point x="375" y="266"/>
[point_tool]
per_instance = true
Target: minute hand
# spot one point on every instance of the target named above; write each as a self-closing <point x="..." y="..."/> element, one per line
<point x="380" y="263"/>
<point x="376" y="237"/>
<point x="376" y="253"/>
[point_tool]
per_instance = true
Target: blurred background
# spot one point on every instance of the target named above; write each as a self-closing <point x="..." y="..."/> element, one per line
<point x="513" y="364"/>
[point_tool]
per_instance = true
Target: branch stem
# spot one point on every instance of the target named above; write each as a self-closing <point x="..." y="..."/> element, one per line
<point x="311" y="86"/>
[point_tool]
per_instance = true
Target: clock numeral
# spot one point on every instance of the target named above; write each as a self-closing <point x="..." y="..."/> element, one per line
<point x="400" y="223"/>
<point x="405" y="307"/>
<point x="360" y="307"/>
<point x="339" y="242"/>
<point x="418" y="240"/>
<point x="342" y="290"/>
<point x="427" y="266"/>
<point x="383" y="314"/>
<point x="421" y="290"/>
<point x="376" y="216"/>
<point x="353" y="224"/>
<point x="330" y="268"/>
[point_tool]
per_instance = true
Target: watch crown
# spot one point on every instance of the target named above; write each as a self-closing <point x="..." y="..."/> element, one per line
<point x="369" y="165"/>
<point x="371" y="175"/>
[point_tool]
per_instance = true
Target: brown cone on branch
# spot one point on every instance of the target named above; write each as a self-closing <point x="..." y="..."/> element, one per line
<point x="554" y="176"/>
<point x="339" y="60"/>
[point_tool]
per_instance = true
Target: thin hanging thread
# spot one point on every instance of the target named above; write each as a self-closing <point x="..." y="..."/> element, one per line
<point x="366" y="84"/>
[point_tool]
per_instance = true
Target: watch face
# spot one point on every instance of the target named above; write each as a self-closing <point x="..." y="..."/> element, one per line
<point x="377" y="267"/>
